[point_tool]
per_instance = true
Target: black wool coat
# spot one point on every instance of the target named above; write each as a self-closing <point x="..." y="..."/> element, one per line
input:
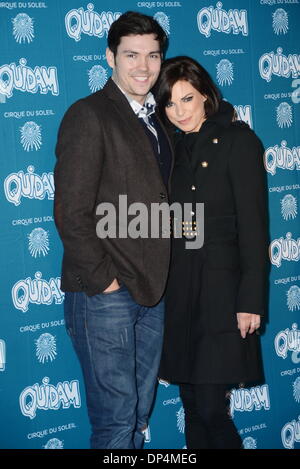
<point x="222" y="167"/>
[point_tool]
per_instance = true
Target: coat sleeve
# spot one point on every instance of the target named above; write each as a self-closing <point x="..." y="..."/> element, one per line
<point x="77" y="177"/>
<point x="248" y="179"/>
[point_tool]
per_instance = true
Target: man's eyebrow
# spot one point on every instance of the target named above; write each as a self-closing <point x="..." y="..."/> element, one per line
<point x="128" y="51"/>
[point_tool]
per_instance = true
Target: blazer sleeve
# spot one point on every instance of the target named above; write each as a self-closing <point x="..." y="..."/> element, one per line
<point x="77" y="176"/>
<point x="248" y="179"/>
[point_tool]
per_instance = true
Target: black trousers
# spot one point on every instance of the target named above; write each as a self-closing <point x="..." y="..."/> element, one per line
<point x="207" y="420"/>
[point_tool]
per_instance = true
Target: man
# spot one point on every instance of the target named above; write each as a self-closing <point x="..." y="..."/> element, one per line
<point x="109" y="144"/>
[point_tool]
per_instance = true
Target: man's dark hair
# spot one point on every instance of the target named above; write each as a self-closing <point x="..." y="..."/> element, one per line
<point x="132" y="23"/>
<point x="184" y="68"/>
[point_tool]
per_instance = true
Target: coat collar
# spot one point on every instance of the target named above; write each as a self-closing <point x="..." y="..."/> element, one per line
<point x="202" y="158"/>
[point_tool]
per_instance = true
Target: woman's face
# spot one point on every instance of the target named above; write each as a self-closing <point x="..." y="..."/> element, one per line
<point x="186" y="107"/>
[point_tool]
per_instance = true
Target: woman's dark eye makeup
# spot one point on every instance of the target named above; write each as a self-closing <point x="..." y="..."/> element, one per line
<point x="187" y="98"/>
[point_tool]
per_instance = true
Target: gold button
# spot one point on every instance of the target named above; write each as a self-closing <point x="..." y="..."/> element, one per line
<point x="204" y="164"/>
<point x="215" y="140"/>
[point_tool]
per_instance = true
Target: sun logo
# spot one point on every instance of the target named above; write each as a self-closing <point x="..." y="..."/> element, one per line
<point x="54" y="443"/>
<point x="38" y="242"/>
<point x="289" y="207"/>
<point x="97" y="78"/>
<point x="46" y="348"/>
<point x="224" y="72"/>
<point x="293" y="298"/>
<point x="164" y="21"/>
<point x="249" y="443"/>
<point x="284" y="115"/>
<point x="180" y="420"/>
<point x="296" y="389"/>
<point x="31" y="137"/>
<point x="280" y="21"/>
<point x="23" y="28"/>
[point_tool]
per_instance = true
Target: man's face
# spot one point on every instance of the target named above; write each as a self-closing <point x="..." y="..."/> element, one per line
<point x="137" y="65"/>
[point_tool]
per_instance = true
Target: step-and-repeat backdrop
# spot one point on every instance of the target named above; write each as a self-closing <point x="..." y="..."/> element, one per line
<point x="52" y="53"/>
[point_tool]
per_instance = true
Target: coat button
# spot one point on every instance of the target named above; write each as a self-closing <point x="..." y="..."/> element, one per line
<point x="193" y="188"/>
<point x="204" y="164"/>
<point x="162" y="195"/>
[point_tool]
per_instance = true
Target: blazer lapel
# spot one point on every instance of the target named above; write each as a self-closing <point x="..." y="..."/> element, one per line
<point x="136" y="133"/>
<point x="130" y="120"/>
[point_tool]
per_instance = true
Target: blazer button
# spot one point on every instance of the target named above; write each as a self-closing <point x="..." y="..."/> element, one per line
<point x="162" y="195"/>
<point x="193" y="188"/>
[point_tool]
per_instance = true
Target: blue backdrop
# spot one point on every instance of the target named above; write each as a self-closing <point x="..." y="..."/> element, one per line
<point x="52" y="53"/>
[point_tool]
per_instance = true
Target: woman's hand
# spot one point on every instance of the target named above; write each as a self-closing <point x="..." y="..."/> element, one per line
<point x="248" y="322"/>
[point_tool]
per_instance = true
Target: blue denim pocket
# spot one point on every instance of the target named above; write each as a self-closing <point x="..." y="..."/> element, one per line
<point x="116" y="309"/>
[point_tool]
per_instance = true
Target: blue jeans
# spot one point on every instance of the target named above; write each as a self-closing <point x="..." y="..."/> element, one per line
<point x="118" y="343"/>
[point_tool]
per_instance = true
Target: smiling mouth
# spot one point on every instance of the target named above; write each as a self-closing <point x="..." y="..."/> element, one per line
<point x="185" y="121"/>
<point x="141" y="79"/>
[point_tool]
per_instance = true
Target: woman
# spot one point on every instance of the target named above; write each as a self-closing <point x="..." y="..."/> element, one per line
<point x="215" y="294"/>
